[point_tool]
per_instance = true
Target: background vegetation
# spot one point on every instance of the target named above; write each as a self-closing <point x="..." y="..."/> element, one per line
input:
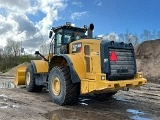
<point x="11" y="56"/>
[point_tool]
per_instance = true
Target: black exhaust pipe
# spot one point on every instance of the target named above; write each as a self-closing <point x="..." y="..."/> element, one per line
<point x="90" y="31"/>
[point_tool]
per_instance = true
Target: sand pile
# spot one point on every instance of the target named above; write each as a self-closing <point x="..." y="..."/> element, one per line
<point x="12" y="71"/>
<point x="148" y="59"/>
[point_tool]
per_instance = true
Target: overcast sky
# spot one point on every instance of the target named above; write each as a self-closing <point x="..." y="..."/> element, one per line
<point x="31" y="20"/>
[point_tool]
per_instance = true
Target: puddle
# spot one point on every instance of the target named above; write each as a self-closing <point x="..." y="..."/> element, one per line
<point x="84" y="101"/>
<point x="3" y="96"/>
<point x="124" y="100"/>
<point x="138" y="115"/>
<point x="4" y="105"/>
<point x="7" y="84"/>
<point x="73" y="115"/>
<point x="7" y="77"/>
<point x="4" y="102"/>
<point x="135" y="112"/>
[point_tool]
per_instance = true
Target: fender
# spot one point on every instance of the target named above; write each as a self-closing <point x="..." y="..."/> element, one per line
<point x="40" y="66"/>
<point x="75" y="63"/>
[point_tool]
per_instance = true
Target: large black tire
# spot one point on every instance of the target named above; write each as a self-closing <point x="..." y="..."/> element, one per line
<point x="30" y="80"/>
<point x="61" y="89"/>
<point x="104" y="96"/>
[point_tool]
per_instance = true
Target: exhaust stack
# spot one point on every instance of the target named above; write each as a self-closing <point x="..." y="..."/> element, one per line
<point x="90" y="31"/>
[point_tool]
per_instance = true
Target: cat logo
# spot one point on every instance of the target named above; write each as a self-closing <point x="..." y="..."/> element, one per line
<point x="76" y="47"/>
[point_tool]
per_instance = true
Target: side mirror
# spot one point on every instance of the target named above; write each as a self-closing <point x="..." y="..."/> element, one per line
<point x="36" y="52"/>
<point x="50" y="34"/>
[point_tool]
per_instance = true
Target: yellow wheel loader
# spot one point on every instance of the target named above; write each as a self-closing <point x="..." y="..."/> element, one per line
<point x="79" y="64"/>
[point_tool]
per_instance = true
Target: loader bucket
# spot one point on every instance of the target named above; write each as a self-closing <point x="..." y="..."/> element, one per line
<point x="20" y="76"/>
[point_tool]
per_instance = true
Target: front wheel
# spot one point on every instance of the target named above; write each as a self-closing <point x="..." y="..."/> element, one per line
<point x="61" y="89"/>
<point x="30" y="80"/>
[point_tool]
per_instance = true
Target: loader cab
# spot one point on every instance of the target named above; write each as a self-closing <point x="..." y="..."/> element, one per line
<point x="64" y="35"/>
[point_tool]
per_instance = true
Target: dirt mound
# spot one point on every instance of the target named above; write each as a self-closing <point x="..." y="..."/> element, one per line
<point x="12" y="71"/>
<point x="148" y="59"/>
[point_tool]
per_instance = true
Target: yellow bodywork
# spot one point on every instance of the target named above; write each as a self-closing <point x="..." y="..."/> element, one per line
<point x="88" y="67"/>
<point x="92" y="81"/>
<point x="98" y="85"/>
<point x="41" y="66"/>
<point x="78" y="64"/>
<point x="20" y="75"/>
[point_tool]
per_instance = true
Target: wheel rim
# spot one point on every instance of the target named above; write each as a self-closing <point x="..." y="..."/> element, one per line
<point x="56" y="86"/>
<point x="28" y="78"/>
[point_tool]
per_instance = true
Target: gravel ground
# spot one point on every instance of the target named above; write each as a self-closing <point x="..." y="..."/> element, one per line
<point x="136" y="104"/>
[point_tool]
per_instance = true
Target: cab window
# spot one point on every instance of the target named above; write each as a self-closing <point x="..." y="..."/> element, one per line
<point x="59" y="38"/>
<point x="68" y="36"/>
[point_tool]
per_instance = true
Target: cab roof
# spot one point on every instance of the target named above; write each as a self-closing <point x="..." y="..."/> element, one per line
<point x="55" y="29"/>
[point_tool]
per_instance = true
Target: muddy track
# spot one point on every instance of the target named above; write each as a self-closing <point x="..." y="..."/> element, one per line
<point x="136" y="104"/>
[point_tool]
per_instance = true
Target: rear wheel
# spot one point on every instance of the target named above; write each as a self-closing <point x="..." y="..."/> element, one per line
<point x="30" y="80"/>
<point x="104" y="96"/>
<point x="61" y="89"/>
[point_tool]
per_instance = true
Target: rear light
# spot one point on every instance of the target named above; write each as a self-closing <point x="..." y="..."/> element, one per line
<point x="102" y="77"/>
<point x="113" y="56"/>
<point x="140" y="75"/>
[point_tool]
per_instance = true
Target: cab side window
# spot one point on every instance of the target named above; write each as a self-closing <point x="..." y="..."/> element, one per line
<point x="59" y="38"/>
<point x="67" y="38"/>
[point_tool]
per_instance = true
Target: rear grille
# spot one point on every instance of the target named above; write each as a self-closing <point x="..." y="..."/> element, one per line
<point x="118" y="60"/>
<point x="124" y="66"/>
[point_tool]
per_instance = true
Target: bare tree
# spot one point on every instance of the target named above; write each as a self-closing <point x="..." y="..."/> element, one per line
<point x="1" y="51"/>
<point x="128" y="37"/>
<point x="132" y="39"/>
<point x="147" y="34"/>
<point x="121" y="37"/>
<point x="43" y="47"/>
<point x="141" y="36"/>
<point x="12" y="47"/>
<point x="153" y="35"/>
<point x="158" y="35"/>
<point x="135" y="40"/>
